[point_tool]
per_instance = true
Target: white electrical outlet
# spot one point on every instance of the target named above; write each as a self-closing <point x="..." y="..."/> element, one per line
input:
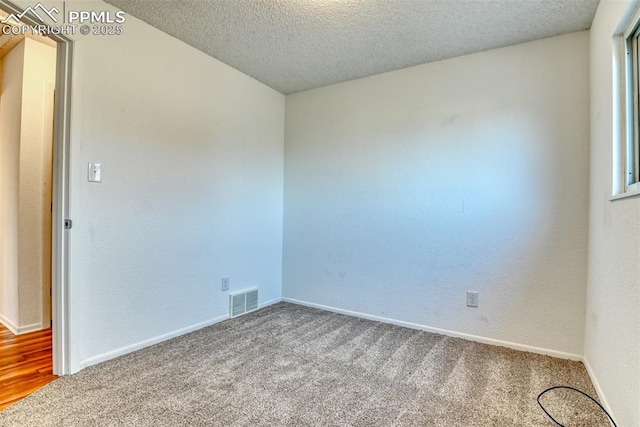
<point x="472" y="299"/>
<point x="95" y="172"/>
<point x="225" y="283"/>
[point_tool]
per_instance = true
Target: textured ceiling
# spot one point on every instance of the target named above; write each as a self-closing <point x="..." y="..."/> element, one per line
<point x="294" y="45"/>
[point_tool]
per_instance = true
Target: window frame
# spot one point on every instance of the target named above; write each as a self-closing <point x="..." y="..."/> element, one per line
<point x="631" y="146"/>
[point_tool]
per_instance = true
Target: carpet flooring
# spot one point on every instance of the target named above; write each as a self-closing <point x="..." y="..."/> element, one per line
<point x="288" y="365"/>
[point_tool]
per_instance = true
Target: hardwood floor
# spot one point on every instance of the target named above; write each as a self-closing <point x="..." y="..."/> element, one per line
<point x="25" y="364"/>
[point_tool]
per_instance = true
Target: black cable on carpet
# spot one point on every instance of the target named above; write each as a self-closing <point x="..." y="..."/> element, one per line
<point x="576" y="390"/>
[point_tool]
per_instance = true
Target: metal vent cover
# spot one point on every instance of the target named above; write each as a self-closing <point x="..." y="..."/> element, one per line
<point x="251" y="300"/>
<point x="243" y="302"/>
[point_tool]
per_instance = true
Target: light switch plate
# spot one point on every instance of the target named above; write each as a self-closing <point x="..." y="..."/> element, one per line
<point x="472" y="299"/>
<point x="95" y="172"/>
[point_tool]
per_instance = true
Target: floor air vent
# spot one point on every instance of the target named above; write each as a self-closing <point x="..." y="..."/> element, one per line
<point x="243" y="302"/>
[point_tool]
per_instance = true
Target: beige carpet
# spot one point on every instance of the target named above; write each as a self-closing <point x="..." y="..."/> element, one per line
<point x="288" y="365"/>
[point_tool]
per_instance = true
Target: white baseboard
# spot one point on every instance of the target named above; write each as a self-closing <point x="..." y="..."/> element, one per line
<point x="9" y="324"/>
<point x="270" y="302"/>
<point x="30" y="328"/>
<point x="596" y="385"/>
<point x="160" y="338"/>
<point x="19" y="330"/>
<point x="149" y="342"/>
<point x="476" y="338"/>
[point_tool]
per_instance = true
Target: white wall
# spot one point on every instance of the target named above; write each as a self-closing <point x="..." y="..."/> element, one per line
<point x="404" y="190"/>
<point x="10" y="122"/>
<point x="192" y="163"/>
<point x="39" y="69"/>
<point x="29" y="66"/>
<point x="612" y="347"/>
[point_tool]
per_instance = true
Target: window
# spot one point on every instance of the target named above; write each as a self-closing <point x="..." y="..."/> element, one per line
<point x="631" y="149"/>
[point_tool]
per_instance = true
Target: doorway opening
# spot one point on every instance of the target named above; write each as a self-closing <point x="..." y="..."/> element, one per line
<point x="35" y="78"/>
